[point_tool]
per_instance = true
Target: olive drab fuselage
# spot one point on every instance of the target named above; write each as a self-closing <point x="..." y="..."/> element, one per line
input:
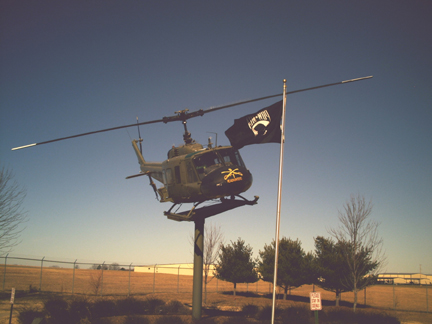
<point x="193" y="173"/>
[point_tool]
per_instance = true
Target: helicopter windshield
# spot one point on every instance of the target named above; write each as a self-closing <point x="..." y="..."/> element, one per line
<point x="231" y="157"/>
<point x="207" y="162"/>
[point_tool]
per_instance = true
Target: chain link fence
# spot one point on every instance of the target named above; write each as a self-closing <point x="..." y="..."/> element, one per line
<point x="43" y="275"/>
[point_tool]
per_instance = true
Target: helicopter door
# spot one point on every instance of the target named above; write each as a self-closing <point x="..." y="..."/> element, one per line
<point x="176" y="188"/>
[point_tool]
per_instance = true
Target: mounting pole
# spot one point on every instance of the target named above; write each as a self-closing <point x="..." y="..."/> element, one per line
<point x="279" y="200"/>
<point x="198" y="268"/>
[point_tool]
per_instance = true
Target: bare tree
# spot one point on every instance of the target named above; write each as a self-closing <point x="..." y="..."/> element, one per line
<point x="114" y="266"/>
<point x="361" y="245"/>
<point x="11" y="212"/>
<point x="95" y="281"/>
<point x="213" y="238"/>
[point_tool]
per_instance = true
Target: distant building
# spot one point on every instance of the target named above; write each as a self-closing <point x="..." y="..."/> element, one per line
<point x="404" y="279"/>
<point x="184" y="269"/>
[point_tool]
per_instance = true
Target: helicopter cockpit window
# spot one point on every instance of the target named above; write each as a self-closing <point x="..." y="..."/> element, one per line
<point x="168" y="176"/>
<point x="231" y="156"/>
<point x="177" y="174"/>
<point x="206" y="162"/>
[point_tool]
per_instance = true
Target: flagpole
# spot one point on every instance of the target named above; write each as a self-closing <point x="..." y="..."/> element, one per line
<point x="278" y="211"/>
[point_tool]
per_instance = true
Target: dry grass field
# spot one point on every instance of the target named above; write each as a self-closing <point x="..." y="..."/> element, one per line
<point x="410" y="301"/>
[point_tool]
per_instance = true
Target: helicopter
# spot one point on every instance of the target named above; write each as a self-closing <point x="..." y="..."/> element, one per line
<point x="195" y="174"/>
<point x="191" y="173"/>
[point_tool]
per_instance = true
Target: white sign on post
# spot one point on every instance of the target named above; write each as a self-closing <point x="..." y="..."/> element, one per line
<point x="315" y="301"/>
<point x="12" y="296"/>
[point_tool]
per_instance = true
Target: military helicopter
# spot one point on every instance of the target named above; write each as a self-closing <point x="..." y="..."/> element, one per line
<point x="194" y="174"/>
<point x="191" y="173"/>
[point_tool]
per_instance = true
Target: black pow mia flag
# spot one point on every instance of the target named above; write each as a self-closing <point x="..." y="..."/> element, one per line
<point x="261" y="127"/>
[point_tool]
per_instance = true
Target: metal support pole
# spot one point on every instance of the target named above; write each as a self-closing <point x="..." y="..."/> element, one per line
<point x="279" y="201"/>
<point x="4" y="274"/>
<point x="198" y="269"/>
<point x="73" y="276"/>
<point x="40" y="279"/>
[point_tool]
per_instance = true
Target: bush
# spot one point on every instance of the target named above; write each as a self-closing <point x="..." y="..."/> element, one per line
<point x="250" y="310"/>
<point x="103" y="307"/>
<point x="173" y="307"/>
<point x="28" y="314"/>
<point x="265" y="313"/>
<point x="153" y="306"/>
<point x="56" y="309"/>
<point x="296" y="315"/>
<point x="132" y="306"/>
<point x="136" y="320"/>
<point x="343" y="315"/>
<point x="79" y="309"/>
<point x="238" y="320"/>
<point x="169" y="320"/>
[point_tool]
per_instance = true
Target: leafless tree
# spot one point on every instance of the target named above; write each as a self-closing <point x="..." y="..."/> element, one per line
<point x="213" y="238"/>
<point x="12" y="214"/>
<point x="361" y="244"/>
<point x="95" y="281"/>
<point x="114" y="266"/>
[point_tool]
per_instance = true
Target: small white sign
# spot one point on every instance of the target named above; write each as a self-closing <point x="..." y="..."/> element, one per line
<point x="315" y="301"/>
<point x="12" y="296"/>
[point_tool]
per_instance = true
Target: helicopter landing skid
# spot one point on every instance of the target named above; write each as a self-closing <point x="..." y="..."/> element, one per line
<point x="211" y="210"/>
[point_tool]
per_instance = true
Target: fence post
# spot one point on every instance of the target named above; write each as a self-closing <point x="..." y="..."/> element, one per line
<point x="129" y="279"/>
<point x="154" y="277"/>
<point x="178" y="279"/>
<point x="4" y="274"/>
<point x="394" y="297"/>
<point x="73" y="276"/>
<point x="427" y="299"/>
<point x="365" y="296"/>
<point x="103" y="264"/>
<point x="40" y="279"/>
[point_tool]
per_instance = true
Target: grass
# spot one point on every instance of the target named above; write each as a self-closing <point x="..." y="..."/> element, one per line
<point x="179" y="288"/>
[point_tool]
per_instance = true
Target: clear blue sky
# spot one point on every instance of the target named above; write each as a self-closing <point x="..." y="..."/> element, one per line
<point x="71" y="67"/>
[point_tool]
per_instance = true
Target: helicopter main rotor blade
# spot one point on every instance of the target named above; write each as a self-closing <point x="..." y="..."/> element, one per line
<point x="184" y="115"/>
<point x="280" y="94"/>
<point x="85" y="134"/>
